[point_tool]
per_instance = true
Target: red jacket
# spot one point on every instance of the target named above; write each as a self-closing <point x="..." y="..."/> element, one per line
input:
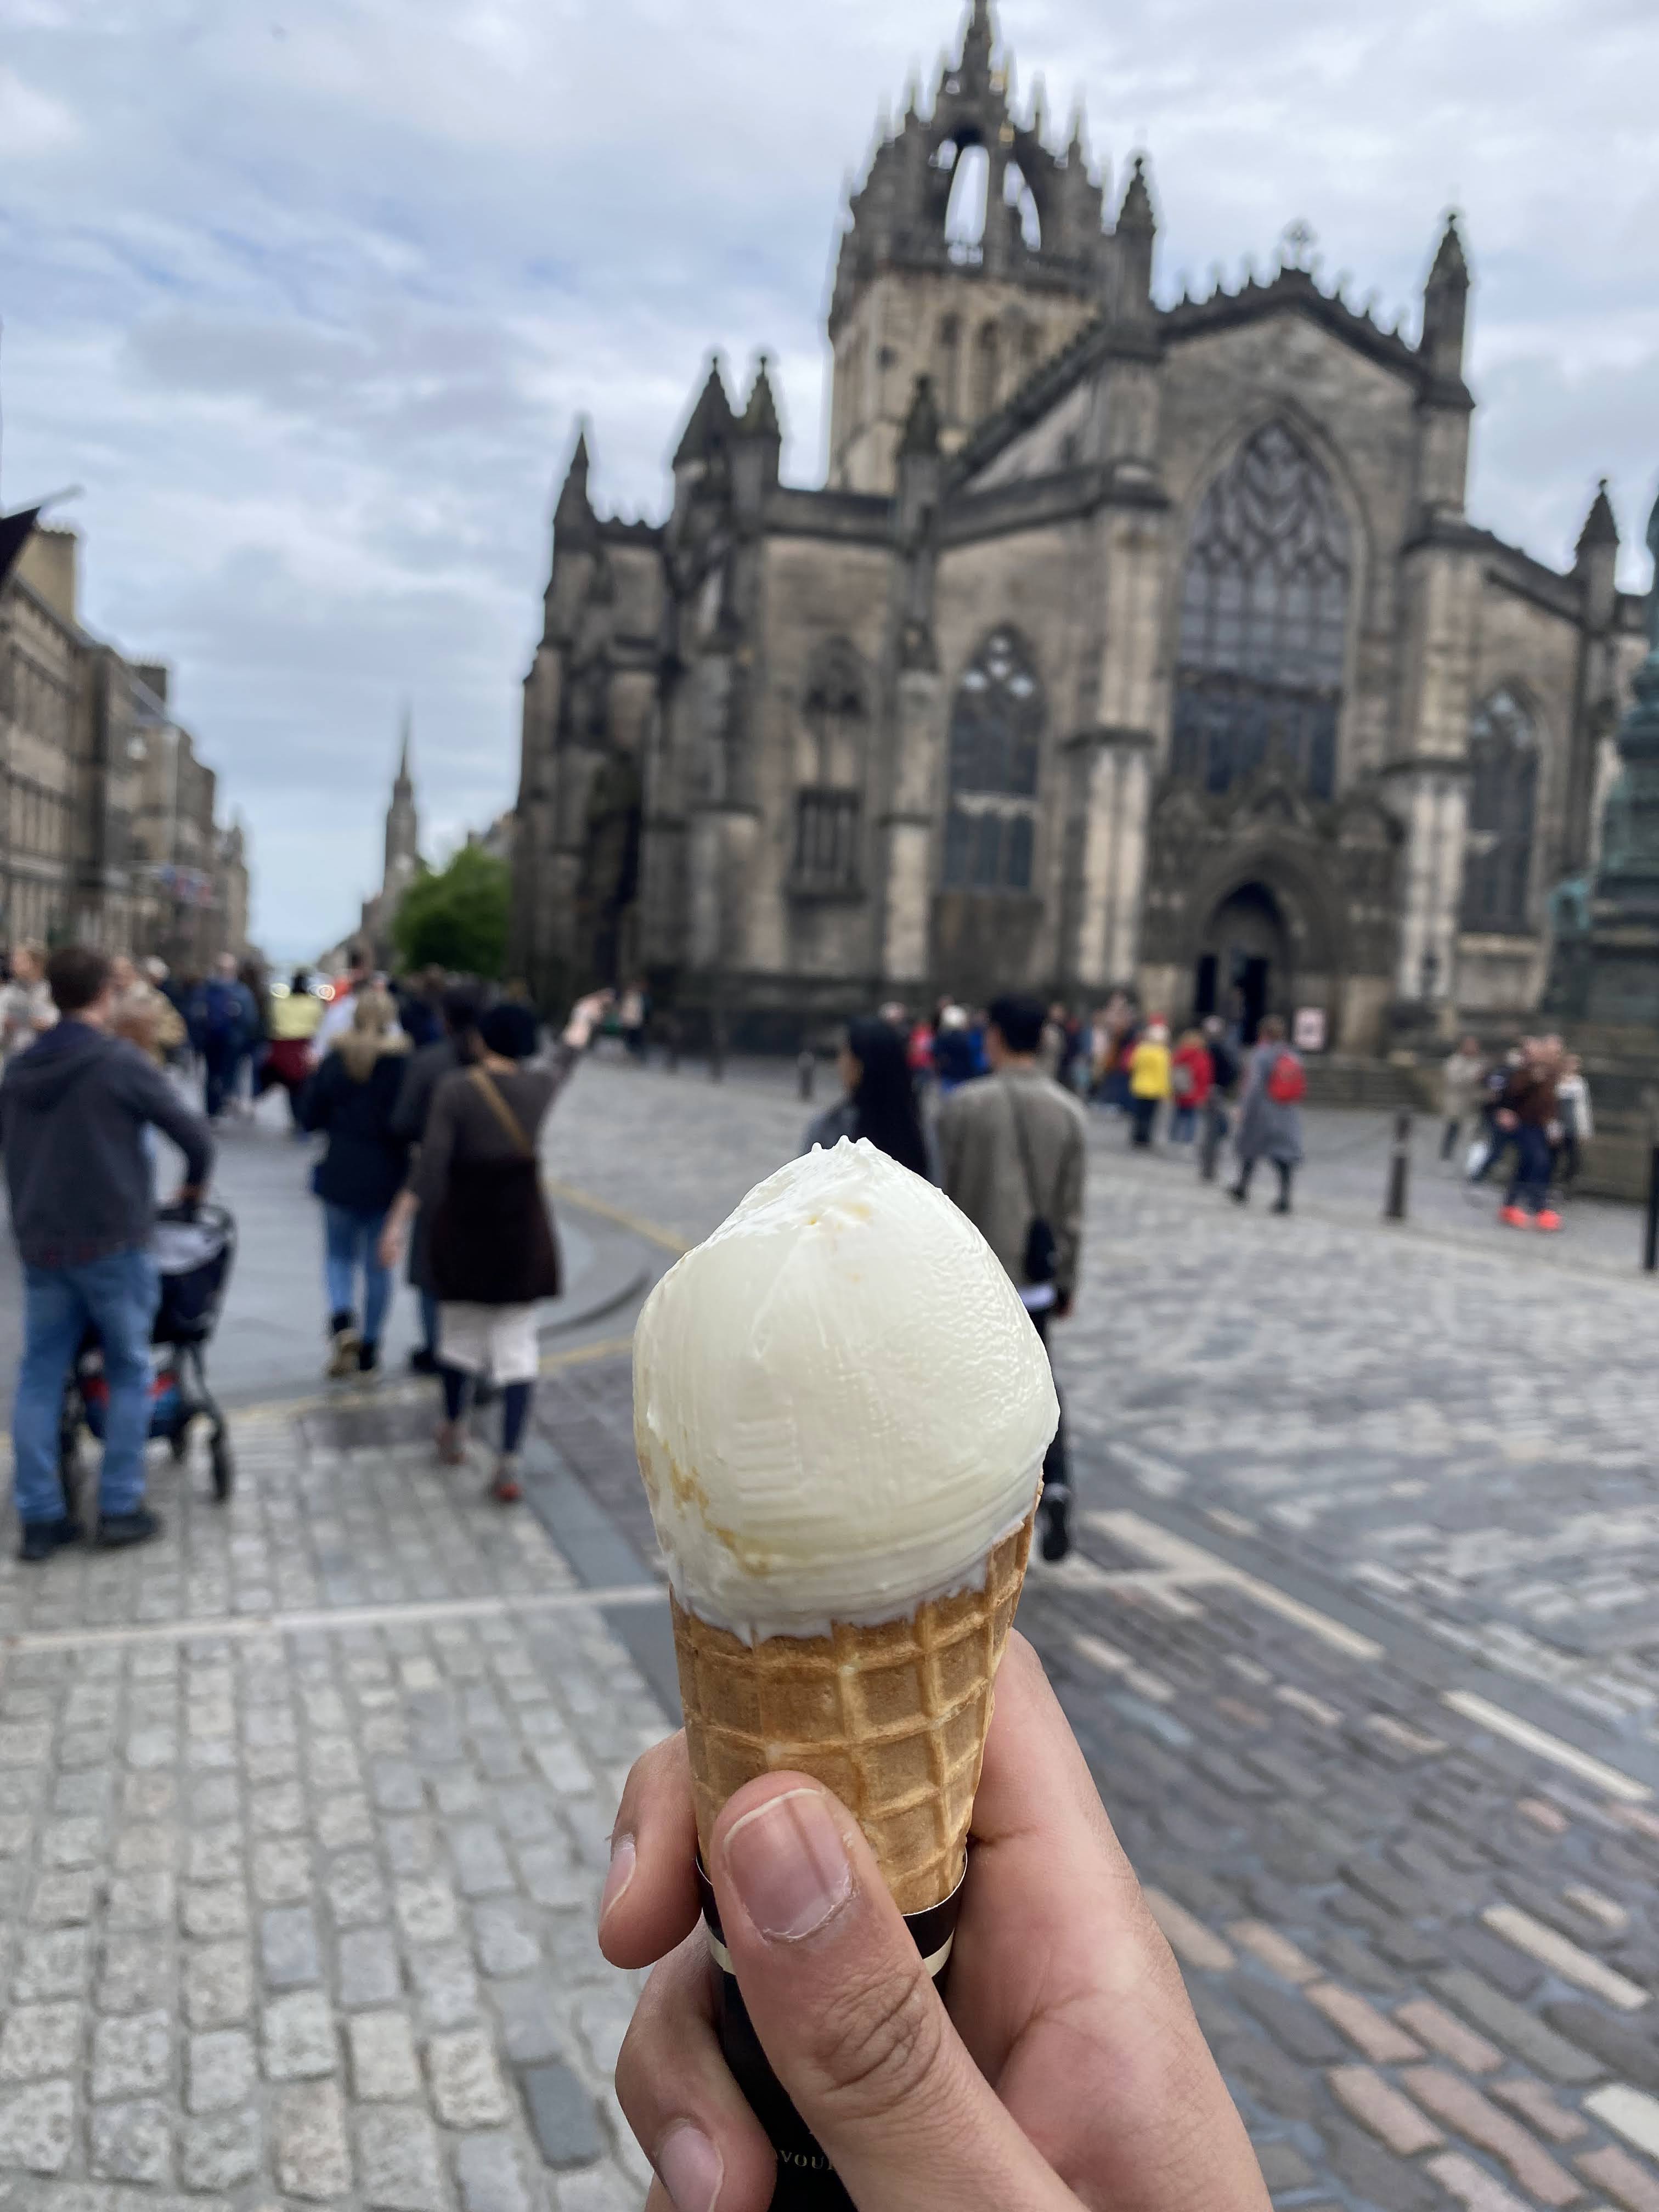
<point x="1196" y="1060"/>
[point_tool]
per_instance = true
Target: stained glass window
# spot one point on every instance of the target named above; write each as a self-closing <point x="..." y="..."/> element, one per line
<point x="1502" y="800"/>
<point x="1264" y="610"/>
<point x="996" y="729"/>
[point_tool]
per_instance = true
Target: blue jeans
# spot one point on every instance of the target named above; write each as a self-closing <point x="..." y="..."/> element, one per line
<point x="116" y="1297"/>
<point x="1530" y="1188"/>
<point x="351" y="1242"/>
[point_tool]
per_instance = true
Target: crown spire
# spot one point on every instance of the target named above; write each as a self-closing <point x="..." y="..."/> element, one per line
<point x="977" y="41"/>
<point x="405" y="781"/>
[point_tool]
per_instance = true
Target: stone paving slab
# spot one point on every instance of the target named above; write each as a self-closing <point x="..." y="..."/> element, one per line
<point x="305" y="1914"/>
<point x="1459" y="1430"/>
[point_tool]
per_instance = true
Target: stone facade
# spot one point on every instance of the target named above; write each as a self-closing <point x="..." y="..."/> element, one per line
<point x="1126" y="642"/>
<point x="106" y="814"/>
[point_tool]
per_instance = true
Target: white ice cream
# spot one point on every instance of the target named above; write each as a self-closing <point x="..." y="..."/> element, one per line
<point x="841" y="1405"/>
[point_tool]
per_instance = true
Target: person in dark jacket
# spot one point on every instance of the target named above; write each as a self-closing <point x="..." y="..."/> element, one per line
<point x="460" y="1006"/>
<point x="354" y="1096"/>
<point x="494" y="1255"/>
<point x="879" y="1100"/>
<point x="74" y="1108"/>
<point x="224" y="1023"/>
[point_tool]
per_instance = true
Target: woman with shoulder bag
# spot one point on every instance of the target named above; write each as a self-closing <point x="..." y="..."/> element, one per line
<point x="493" y="1255"/>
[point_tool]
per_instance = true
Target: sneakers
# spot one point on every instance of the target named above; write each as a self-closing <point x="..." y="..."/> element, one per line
<point x="1239" y="1196"/>
<point x="42" y="1539"/>
<point x="507" y="1489"/>
<point x="451" y="1440"/>
<point x="1549" y="1219"/>
<point x="369" y="1357"/>
<point x="1515" y="1217"/>
<point x="116" y="1531"/>
<point x="345" y="1345"/>
<point x="424" y="1360"/>
<point x="1056" y="1516"/>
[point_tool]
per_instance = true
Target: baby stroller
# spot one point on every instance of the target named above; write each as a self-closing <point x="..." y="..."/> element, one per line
<point x="194" y="1246"/>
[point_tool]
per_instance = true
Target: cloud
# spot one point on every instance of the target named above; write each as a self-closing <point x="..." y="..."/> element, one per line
<point x="310" y="297"/>
<point x="31" y="121"/>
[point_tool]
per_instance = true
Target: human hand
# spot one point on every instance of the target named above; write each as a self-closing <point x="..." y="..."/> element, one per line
<point x="390" y="1247"/>
<point x="1068" y="2071"/>
<point x="585" y="1014"/>
<point x="1508" y="1121"/>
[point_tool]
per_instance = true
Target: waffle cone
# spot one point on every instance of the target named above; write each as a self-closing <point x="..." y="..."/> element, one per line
<point x="893" y="1719"/>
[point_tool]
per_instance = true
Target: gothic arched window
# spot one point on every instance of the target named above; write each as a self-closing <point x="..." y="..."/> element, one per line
<point x="1502" y="800"/>
<point x="996" y="730"/>
<point x="988" y="371"/>
<point x="829" y="769"/>
<point x="1264" y="610"/>
<point x="950" y="367"/>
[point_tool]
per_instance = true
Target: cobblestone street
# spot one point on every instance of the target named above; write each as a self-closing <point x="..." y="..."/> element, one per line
<point x="303" y="1813"/>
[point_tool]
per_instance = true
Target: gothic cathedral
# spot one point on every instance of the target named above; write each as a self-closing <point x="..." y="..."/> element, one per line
<point x="1127" y="643"/>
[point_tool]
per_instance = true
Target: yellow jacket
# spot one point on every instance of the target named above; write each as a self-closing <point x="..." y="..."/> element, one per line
<point x="1149" y="1070"/>
<point x="295" y="1016"/>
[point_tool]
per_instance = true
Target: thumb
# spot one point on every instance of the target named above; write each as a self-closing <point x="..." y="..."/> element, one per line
<point x="850" y="2018"/>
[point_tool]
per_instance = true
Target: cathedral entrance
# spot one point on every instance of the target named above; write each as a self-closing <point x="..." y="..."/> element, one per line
<point x="1244" y="960"/>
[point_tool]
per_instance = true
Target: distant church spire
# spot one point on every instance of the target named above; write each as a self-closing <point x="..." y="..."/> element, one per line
<point x="1600" y="527"/>
<point x="403" y="825"/>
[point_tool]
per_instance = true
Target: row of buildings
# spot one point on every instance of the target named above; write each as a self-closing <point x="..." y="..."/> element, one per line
<point x="1132" y="639"/>
<point x="109" y="826"/>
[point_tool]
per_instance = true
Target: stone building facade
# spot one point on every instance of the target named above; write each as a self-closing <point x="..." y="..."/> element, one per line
<point x="1126" y="642"/>
<point x="107" y="816"/>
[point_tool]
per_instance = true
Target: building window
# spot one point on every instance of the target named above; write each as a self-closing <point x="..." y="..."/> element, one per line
<point x="950" y="367"/>
<point x="1264" y="612"/>
<point x="831" y="758"/>
<point x="988" y="371"/>
<point x="1503" y="801"/>
<point x="996" y="732"/>
<point x="826" y="841"/>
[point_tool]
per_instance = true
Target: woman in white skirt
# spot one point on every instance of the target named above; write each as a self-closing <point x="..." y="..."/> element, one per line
<point x="494" y="1255"/>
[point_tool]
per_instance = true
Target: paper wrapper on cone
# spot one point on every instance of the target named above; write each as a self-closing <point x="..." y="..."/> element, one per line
<point x="893" y="1719"/>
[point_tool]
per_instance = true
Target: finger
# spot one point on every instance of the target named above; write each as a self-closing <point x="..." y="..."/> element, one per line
<point x="650" y="1896"/>
<point x="682" y="2105"/>
<point x="849" y="2019"/>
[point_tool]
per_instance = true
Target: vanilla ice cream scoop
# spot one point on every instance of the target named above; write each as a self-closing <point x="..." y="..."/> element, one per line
<point x="839" y="1404"/>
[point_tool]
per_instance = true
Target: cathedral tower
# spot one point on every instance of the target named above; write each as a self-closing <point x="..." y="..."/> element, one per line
<point x="973" y="251"/>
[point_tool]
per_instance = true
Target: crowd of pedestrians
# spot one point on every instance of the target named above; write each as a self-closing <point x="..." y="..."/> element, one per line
<point x="1528" y="1116"/>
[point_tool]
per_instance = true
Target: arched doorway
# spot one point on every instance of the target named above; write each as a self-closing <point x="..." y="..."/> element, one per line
<point x="1243" y="970"/>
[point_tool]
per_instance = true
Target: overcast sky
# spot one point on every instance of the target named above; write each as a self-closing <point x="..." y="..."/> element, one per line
<point x="308" y="295"/>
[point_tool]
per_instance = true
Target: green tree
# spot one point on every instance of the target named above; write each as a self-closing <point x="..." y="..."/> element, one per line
<point x="456" y="918"/>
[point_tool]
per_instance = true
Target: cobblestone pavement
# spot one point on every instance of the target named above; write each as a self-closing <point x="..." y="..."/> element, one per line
<point x="303" y="1810"/>
<point x="1456" y="1429"/>
<point x="303" y="1814"/>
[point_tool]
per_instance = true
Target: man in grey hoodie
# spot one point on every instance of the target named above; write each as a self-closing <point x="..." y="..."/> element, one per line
<point x="73" y="1111"/>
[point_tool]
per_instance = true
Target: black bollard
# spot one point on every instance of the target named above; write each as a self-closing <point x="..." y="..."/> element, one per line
<point x="807" y="1069"/>
<point x="1399" y="1170"/>
<point x="1650" y="1255"/>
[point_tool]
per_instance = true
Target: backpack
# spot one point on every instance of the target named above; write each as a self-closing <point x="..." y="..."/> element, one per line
<point x="1287" y="1080"/>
